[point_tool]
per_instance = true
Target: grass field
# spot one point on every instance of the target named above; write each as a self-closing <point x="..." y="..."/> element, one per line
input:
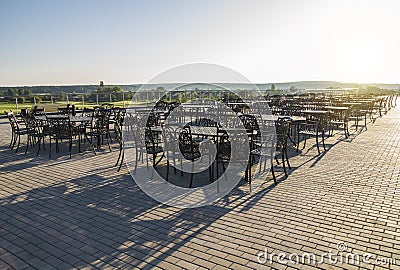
<point x="6" y="107"/>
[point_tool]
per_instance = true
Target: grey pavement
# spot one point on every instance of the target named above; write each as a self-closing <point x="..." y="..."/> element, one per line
<point x="63" y="213"/>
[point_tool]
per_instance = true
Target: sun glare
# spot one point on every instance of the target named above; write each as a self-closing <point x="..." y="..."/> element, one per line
<point x="360" y="62"/>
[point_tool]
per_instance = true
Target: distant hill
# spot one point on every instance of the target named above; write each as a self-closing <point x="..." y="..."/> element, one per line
<point x="85" y="89"/>
<point x="323" y="85"/>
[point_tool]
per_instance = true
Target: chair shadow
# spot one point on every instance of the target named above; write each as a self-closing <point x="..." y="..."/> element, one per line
<point x="97" y="221"/>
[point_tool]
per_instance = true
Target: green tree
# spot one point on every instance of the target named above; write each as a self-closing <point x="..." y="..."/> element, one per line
<point x="63" y="96"/>
<point x="27" y="92"/>
<point x="11" y="92"/>
<point x="21" y="100"/>
<point x="273" y="86"/>
<point x="38" y="99"/>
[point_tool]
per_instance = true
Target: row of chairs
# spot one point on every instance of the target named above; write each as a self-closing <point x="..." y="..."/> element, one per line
<point x="95" y="126"/>
<point x="151" y="144"/>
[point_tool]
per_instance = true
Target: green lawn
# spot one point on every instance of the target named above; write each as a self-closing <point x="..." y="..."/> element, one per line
<point x="4" y="106"/>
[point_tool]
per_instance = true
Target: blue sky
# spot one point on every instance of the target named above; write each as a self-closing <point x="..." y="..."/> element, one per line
<point x="83" y="42"/>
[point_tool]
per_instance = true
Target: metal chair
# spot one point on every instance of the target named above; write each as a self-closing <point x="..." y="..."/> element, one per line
<point x="60" y="128"/>
<point x="313" y="127"/>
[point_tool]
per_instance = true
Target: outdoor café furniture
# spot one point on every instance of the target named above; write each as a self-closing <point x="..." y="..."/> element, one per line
<point x="60" y="128"/>
<point x="314" y="126"/>
<point x="338" y="116"/>
<point x="49" y="126"/>
<point x="65" y="127"/>
<point x="231" y="150"/>
<point x="261" y="149"/>
<point x="359" y="111"/>
<point x="238" y="107"/>
<point x="119" y="122"/>
<point x="144" y="140"/>
<point x="98" y="128"/>
<point x="37" y="132"/>
<point x="18" y="129"/>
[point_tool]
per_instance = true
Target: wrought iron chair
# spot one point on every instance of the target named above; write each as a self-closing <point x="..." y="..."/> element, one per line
<point x="339" y="119"/>
<point x="99" y="128"/>
<point x="314" y="126"/>
<point x="60" y="129"/>
<point x="17" y="130"/>
<point x="119" y="122"/>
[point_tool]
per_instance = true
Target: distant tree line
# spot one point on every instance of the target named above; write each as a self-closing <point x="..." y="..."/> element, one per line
<point x="69" y="89"/>
<point x="59" y="93"/>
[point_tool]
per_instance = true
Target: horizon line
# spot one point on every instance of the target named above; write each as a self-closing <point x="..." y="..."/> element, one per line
<point x="140" y="83"/>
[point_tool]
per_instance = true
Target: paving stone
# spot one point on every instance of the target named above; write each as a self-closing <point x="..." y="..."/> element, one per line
<point x="83" y="213"/>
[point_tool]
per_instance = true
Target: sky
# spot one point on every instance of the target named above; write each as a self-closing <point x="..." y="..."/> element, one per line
<point x="69" y="42"/>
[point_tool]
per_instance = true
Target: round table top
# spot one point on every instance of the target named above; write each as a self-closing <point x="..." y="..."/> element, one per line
<point x="72" y="118"/>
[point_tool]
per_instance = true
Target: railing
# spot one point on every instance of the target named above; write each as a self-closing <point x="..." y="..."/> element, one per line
<point x="123" y="99"/>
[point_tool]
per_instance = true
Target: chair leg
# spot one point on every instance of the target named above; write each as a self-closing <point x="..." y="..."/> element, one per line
<point x="356" y="122"/>
<point x="12" y="139"/>
<point x="277" y="160"/>
<point x="50" y="148"/>
<point x="365" y="121"/>
<point x="70" y="148"/>
<point x="181" y="168"/>
<point x="19" y="141"/>
<point x="305" y="140"/>
<point x="249" y="165"/>
<point x="122" y="160"/>
<point x="167" y="177"/>
<point x="119" y="156"/>
<point x="79" y="143"/>
<point x="15" y="141"/>
<point x="316" y="139"/>
<point x="191" y="180"/>
<point x="210" y="173"/>
<point x="27" y="144"/>
<point x="323" y="140"/>
<point x="283" y="163"/>
<point x="137" y="159"/>
<point x="108" y="142"/>
<point x="91" y="143"/>
<point x="273" y="173"/>
<point x="217" y="169"/>
<point x="223" y="169"/>
<point x="39" y="145"/>
<point x="174" y="164"/>
<point x="287" y="159"/>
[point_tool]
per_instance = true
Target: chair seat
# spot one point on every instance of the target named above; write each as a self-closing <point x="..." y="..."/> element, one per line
<point x="263" y="152"/>
<point x="39" y="134"/>
<point x="96" y="133"/>
<point x="191" y="156"/>
<point x="338" y="122"/>
<point x="55" y="136"/>
<point x="22" y="131"/>
<point x="154" y="149"/>
<point x="357" y="117"/>
<point x="309" y="132"/>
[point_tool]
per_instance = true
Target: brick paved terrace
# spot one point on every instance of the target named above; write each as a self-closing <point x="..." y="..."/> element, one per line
<point x="63" y="213"/>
